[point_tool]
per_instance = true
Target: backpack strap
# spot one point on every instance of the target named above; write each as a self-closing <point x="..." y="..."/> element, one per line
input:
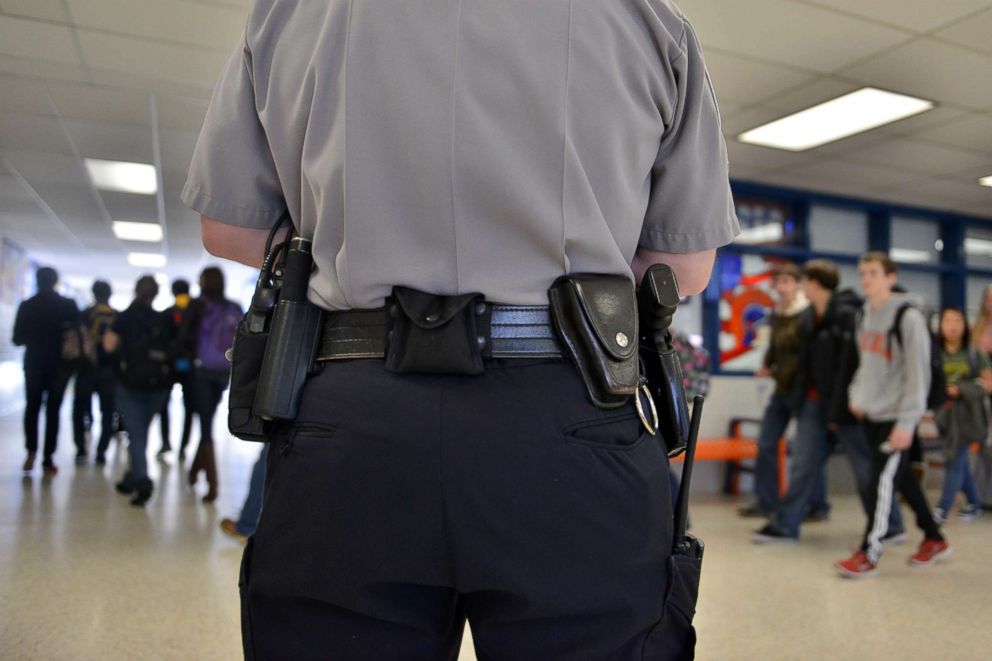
<point x="896" y="330"/>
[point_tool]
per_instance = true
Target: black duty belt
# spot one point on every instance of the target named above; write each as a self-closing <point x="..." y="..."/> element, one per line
<point x="514" y="331"/>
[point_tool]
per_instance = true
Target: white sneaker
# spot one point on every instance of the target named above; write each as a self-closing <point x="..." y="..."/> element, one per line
<point x="970" y="513"/>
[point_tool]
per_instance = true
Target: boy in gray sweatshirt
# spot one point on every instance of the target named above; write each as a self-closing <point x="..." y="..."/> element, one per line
<point x="889" y="394"/>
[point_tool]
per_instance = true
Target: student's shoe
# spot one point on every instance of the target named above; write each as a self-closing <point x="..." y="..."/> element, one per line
<point x="230" y="528"/>
<point x="49" y="470"/>
<point x="143" y="493"/>
<point x="939" y="516"/>
<point x="772" y="535"/>
<point x="80" y="458"/>
<point x="895" y="539"/>
<point x="100" y="460"/>
<point x="753" y="511"/>
<point x="931" y="552"/>
<point x="124" y="487"/>
<point x="817" y="516"/>
<point x="857" y="566"/>
<point x="970" y="513"/>
<point x="29" y="463"/>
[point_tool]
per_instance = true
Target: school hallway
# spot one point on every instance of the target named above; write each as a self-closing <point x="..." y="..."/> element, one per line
<point x="83" y="575"/>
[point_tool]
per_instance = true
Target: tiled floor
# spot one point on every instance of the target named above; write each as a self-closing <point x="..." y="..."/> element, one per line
<point x="85" y="576"/>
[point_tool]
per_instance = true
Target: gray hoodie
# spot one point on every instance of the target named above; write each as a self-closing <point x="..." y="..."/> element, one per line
<point x="892" y="380"/>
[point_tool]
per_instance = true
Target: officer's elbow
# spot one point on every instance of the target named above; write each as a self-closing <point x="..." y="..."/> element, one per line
<point x="691" y="269"/>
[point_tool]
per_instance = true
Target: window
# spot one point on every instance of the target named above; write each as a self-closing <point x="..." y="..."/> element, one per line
<point x="837" y="230"/>
<point x="978" y="248"/>
<point x="765" y="223"/>
<point x="923" y="286"/>
<point x="915" y="241"/>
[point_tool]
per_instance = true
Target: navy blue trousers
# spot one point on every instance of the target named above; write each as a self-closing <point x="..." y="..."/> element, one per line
<point x="398" y="506"/>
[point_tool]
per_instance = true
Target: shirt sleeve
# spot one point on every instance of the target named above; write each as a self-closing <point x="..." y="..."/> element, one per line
<point x="691" y="208"/>
<point x="233" y="177"/>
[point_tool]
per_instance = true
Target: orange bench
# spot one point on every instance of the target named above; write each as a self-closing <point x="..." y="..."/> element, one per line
<point x="736" y="448"/>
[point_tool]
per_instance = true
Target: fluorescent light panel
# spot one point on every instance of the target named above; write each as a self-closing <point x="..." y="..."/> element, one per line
<point x="986" y="181"/>
<point x="909" y="256"/>
<point x="128" y="231"/>
<point x="769" y="233"/>
<point x="148" y="260"/>
<point x="123" y="177"/>
<point x="853" y="113"/>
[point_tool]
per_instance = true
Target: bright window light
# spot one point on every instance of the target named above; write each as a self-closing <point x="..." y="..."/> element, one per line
<point x="909" y="256"/>
<point x="859" y="111"/>
<point x="127" y="231"/>
<point x="769" y="233"/>
<point x="978" y="247"/>
<point x="986" y="181"/>
<point x="148" y="260"/>
<point x="122" y="177"/>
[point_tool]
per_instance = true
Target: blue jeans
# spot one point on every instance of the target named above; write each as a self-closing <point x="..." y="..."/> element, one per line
<point x="957" y="477"/>
<point x="252" y="508"/>
<point x="860" y="454"/>
<point x="773" y="424"/>
<point x="138" y="407"/>
<point x="810" y="452"/>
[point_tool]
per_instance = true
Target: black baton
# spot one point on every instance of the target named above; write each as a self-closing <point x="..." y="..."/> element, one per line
<point x="686" y="544"/>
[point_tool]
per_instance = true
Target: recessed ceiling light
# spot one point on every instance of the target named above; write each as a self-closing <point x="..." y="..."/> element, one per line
<point x="986" y="181"/>
<point x="148" y="260"/>
<point x="842" y="117"/>
<point x="123" y="177"/>
<point x="127" y="231"/>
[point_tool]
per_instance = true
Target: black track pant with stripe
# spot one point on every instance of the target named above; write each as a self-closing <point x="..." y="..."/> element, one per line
<point x="891" y="473"/>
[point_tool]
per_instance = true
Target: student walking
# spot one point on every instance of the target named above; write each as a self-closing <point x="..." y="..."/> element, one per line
<point x="216" y="319"/>
<point x="889" y="394"/>
<point x="141" y="338"/>
<point x="96" y="375"/>
<point x="44" y="325"/>
<point x="962" y="419"/>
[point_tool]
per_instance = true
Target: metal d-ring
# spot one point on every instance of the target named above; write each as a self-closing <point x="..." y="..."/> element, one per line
<point x="640" y="410"/>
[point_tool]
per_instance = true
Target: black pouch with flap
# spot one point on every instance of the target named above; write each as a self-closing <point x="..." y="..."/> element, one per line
<point x="595" y="317"/>
<point x="434" y="334"/>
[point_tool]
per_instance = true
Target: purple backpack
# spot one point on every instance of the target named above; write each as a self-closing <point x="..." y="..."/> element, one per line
<point x="217" y="325"/>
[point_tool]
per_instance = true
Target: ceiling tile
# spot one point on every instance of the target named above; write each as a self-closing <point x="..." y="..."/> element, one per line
<point x="124" y="206"/>
<point x="38" y="167"/>
<point x="23" y="95"/>
<point x="853" y="176"/>
<point x="100" y="103"/>
<point x="41" y="41"/>
<point x="763" y="158"/>
<point x="811" y="94"/>
<point x="41" y="69"/>
<point x="932" y="70"/>
<point x="152" y="59"/>
<point x="974" y="32"/>
<point x="48" y="10"/>
<point x="972" y="132"/>
<point x="913" y="156"/>
<point x="916" y="15"/>
<point x="179" y="113"/>
<point x="740" y="80"/>
<point x="789" y="33"/>
<point x="181" y="21"/>
<point x="32" y="133"/>
<point x="943" y="194"/>
<point x="112" y="142"/>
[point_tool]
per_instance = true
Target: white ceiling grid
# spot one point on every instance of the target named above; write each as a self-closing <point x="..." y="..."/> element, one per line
<point x="76" y="78"/>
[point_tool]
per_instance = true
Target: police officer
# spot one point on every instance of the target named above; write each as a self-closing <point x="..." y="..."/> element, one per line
<point x="453" y="147"/>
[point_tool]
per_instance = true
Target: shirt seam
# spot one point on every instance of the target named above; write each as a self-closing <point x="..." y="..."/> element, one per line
<point x="454" y="106"/>
<point x="658" y="232"/>
<point x="564" y="145"/>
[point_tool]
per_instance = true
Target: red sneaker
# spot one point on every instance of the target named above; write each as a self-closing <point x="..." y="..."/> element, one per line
<point x="857" y="566"/>
<point x="931" y="552"/>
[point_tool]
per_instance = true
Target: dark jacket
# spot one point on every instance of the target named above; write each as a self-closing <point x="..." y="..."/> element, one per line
<point x="41" y="321"/>
<point x="828" y="357"/>
<point x="782" y="357"/>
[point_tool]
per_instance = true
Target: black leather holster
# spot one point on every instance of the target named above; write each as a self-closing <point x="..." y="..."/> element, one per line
<point x="596" y="319"/>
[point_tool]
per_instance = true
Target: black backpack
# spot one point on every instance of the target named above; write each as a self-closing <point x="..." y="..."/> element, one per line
<point x="937" y="395"/>
<point x="146" y="358"/>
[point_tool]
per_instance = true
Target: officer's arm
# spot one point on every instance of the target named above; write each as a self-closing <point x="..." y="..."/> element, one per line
<point x="692" y="269"/>
<point x="239" y="244"/>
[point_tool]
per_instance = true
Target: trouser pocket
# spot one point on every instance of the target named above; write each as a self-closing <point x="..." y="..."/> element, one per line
<point x="673" y="637"/>
<point x="243" y="582"/>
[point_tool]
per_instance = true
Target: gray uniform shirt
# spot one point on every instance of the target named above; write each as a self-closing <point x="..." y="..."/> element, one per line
<point x="467" y="145"/>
